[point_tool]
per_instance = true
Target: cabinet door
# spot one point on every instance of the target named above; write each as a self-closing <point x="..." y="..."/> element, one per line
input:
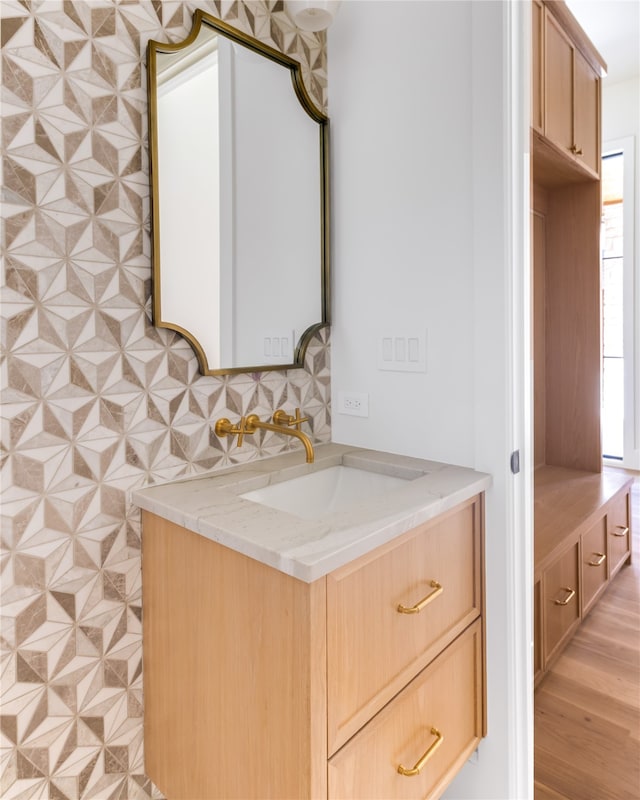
<point x="593" y="571"/>
<point x="618" y="528"/>
<point x="558" y="85"/>
<point x="233" y="672"/>
<point x="536" y="66"/>
<point x="561" y="609"/>
<point x="374" y="647"/>
<point x="430" y="728"/>
<point x="586" y="113"/>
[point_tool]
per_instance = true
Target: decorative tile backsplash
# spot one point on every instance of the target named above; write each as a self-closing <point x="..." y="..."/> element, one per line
<point x="95" y="401"/>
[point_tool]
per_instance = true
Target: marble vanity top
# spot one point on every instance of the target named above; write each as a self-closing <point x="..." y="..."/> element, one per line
<point x="211" y="505"/>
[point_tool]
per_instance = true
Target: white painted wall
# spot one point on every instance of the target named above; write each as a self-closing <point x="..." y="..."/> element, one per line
<point x="402" y="210"/>
<point x="424" y="222"/>
<point x="620" y="109"/>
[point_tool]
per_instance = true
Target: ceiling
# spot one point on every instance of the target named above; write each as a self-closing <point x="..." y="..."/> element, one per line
<point x="614" y="28"/>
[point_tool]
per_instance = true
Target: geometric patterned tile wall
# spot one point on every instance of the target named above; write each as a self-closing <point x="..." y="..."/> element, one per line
<point x="95" y="401"/>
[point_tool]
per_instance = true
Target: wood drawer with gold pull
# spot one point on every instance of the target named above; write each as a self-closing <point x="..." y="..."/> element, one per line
<point x="561" y="609"/>
<point x="593" y="569"/>
<point x="411" y="748"/>
<point x="619" y="540"/>
<point x="388" y="615"/>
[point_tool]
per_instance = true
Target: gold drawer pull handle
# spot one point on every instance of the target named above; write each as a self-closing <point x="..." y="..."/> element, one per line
<point x="600" y="557"/>
<point x="568" y="598"/>
<point x="420" y="764"/>
<point x="620" y="530"/>
<point x="437" y="589"/>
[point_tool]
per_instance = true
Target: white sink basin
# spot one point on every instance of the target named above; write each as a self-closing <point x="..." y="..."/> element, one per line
<point x="326" y="491"/>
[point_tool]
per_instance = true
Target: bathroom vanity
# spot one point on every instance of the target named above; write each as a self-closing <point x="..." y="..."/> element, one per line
<point x="334" y="651"/>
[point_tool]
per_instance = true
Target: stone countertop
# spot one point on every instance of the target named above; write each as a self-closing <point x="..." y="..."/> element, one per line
<point x="309" y="549"/>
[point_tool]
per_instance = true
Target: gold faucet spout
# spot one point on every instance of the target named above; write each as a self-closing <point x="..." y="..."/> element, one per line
<point x="253" y="422"/>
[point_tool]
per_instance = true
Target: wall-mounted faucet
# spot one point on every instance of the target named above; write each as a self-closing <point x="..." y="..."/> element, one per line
<point x="281" y="423"/>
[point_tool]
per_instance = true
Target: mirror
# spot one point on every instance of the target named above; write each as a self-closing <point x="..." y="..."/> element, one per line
<point x="239" y="174"/>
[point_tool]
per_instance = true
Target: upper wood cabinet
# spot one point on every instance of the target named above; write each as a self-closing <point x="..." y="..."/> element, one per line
<point x="537" y="98"/>
<point x="586" y="113"/>
<point x="565" y="86"/>
<point x="559" y="95"/>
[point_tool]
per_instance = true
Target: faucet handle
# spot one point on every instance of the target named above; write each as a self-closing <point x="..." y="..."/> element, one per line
<point x="281" y="417"/>
<point x="225" y="427"/>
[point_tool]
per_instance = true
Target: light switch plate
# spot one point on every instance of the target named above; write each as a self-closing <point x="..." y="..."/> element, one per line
<point x="403" y="351"/>
<point x="277" y="347"/>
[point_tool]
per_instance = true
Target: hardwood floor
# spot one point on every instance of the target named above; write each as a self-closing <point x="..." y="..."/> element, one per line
<point x="587" y="710"/>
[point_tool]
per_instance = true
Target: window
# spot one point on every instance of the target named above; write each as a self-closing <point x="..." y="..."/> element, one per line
<point x="620" y="309"/>
<point x="612" y="307"/>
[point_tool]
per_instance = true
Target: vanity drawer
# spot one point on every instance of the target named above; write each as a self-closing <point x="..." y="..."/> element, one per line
<point x="619" y="532"/>
<point x="373" y="648"/>
<point x="439" y="712"/>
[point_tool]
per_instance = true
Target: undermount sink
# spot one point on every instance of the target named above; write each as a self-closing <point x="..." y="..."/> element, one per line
<point x="325" y="491"/>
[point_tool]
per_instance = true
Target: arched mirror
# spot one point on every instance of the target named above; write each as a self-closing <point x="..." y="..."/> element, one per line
<point x="239" y="169"/>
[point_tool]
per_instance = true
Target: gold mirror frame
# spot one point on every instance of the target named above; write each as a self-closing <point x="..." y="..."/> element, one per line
<point x="154" y="47"/>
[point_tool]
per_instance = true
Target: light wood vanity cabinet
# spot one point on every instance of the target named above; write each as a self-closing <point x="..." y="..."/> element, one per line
<point x="258" y="685"/>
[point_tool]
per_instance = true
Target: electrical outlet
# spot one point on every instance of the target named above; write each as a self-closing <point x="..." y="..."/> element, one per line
<point x="354" y="403"/>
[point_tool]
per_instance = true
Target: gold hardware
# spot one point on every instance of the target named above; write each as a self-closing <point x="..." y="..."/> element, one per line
<point x="225" y="428"/>
<point x="252" y="423"/>
<point x="568" y="598"/>
<point x="600" y="558"/>
<point x="620" y="530"/>
<point x="577" y="151"/>
<point x="281" y="417"/>
<point x="423" y="760"/>
<point x="437" y="590"/>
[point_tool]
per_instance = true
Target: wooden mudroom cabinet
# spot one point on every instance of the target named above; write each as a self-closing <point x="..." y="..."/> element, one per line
<point x="367" y="683"/>
<point x="582" y="539"/>
<point x="581" y="514"/>
<point x="565" y="86"/>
